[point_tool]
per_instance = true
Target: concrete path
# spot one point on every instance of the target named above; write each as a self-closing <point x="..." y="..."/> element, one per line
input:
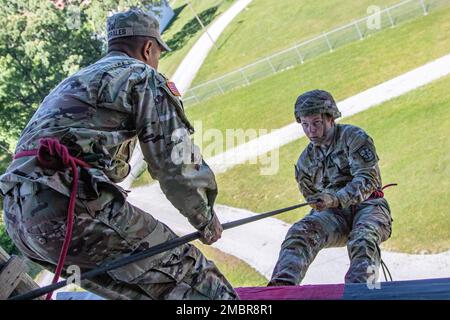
<point x="374" y="96"/>
<point x="190" y="65"/>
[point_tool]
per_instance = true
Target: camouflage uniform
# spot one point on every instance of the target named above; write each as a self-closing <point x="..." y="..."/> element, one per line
<point x="348" y="169"/>
<point x="100" y="113"/>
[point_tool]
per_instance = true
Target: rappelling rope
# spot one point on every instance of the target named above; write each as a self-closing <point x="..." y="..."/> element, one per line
<point x="151" y="252"/>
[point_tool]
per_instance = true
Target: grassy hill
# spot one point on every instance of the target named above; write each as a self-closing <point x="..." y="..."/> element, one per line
<point x="411" y="135"/>
<point x="268" y="103"/>
<point x="268" y="26"/>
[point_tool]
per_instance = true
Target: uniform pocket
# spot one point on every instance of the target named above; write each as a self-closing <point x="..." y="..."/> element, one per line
<point x="340" y="159"/>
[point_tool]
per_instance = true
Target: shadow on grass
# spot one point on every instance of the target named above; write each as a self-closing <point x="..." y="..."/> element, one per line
<point x="236" y="27"/>
<point x="189" y="30"/>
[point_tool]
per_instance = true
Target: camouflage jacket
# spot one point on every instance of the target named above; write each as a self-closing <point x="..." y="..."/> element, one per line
<point x="348" y="168"/>
<point x="100" y="113"/>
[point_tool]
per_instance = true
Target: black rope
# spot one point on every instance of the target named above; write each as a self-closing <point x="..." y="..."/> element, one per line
<point x="383" y="267"/>
<point x="149" y="252"/>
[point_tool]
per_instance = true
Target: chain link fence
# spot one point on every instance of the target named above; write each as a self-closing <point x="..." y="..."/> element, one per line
<point x="327" y="42"/>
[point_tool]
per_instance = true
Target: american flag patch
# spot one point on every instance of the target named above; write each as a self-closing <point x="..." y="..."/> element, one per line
<point x="173" y="88"/>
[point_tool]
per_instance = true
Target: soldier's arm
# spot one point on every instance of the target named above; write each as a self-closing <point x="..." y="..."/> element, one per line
<point x="364" y="169"/>
<point x="304" y="181"/>
<point x="165" y="144"/>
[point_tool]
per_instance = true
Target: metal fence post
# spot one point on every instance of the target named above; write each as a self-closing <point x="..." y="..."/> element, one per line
<point x="424" y="7"/>
<point x="390" y="17"/>
<point x="195" y="96"/>
<point x="271" y="65"/>
<point x="243" y="76"/>
<point x="299" y="55"/>
<point x="328" y="42"/>
<point x="218" y="86"/>
<point x="359" y="31"/>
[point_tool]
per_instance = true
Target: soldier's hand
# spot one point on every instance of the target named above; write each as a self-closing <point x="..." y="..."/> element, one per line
<point x="323" y="201"/>
<point x="212" y="231"/>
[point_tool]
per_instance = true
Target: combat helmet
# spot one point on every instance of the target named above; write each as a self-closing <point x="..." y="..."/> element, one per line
<point x="315" y="102"/>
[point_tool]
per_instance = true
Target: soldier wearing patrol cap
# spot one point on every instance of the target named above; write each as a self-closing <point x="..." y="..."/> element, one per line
<point x="91" y="122"/>
<point x="338" y="171"/>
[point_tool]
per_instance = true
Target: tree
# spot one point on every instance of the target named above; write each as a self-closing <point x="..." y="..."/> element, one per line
<point x="41" y="43"/>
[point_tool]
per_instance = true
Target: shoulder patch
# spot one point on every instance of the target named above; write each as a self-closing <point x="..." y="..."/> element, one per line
<point x="173" y="88"/>
<point x="366" y="153"/>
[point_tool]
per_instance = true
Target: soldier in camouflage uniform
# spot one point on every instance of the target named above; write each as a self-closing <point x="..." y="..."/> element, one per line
<point x="339" y="170"/>
<point x="99" y="114"/>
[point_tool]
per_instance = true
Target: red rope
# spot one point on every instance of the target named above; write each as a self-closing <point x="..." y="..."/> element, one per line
<point x="379" y="193"/>
<point x="375" y="195"/>
<point x="54" y="155"/>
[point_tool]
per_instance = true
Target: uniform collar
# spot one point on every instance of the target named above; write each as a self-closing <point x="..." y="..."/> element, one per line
<point x="115" y="53"/>
<point x="334" y="140"/>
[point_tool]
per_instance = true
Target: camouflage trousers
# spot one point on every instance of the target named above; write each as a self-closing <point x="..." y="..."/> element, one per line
<point x="362" y="229"/>
<point x="106" y="229"/>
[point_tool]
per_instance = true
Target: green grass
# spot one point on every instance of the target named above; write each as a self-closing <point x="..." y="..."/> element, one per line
<point x="237" y="272"/>
<point x="268" y="103"/>
<point x="143" y="180"/>
<point x="411" y="134"/>
<point x="185" y="30"/>
<point x="268" y="26"/>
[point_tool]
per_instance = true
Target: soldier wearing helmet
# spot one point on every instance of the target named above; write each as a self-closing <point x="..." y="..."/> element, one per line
<point x="338" y="171"/>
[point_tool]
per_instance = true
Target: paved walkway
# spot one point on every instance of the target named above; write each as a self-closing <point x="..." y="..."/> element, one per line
<point x="374" y="96"/>
<point x="191" y="64"/>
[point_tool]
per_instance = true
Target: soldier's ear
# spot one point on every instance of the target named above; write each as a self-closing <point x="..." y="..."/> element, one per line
<point x="328" y="118"/>
<point x="147" y="49"/>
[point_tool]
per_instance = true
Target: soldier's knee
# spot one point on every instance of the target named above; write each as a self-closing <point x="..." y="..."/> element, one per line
<point x="304" y="233"/>
<point x="294" y="243"/>
<point x="360" y="246"/>
<point x="361" y="237"/>
<point x="364" y="232"/>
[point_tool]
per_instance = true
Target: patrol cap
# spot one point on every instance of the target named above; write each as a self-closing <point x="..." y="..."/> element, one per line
<point x="315" y="102"/>
<point x="134" y="22"/>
